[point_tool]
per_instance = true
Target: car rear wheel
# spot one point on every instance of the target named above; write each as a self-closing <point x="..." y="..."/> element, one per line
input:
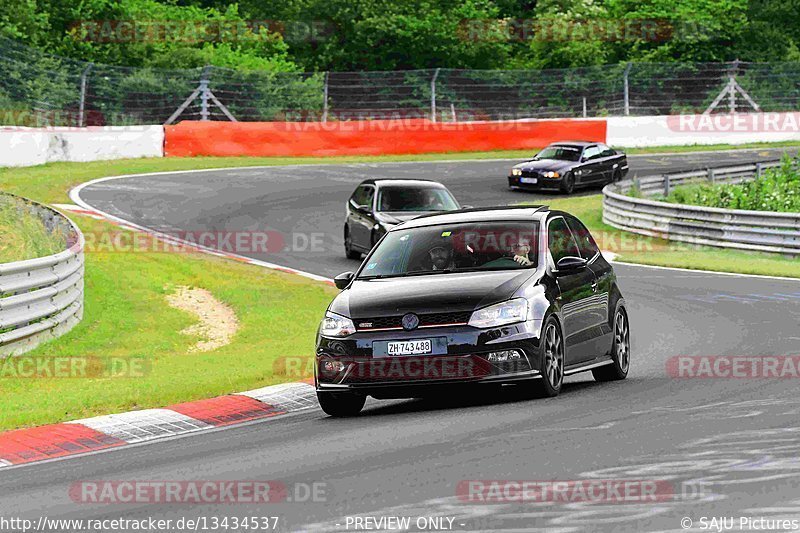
<point x="568" y="183"/>
<point x="620" y="350"/>
<point x="341" y="404"/>
<point x="552" y="349"/>
<point x="348" y="246"/>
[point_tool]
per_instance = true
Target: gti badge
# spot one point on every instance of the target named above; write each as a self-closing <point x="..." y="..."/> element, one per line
<point x="410" y="321"/>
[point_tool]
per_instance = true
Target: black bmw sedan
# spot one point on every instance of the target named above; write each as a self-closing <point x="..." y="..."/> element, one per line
<point x="569" y="165"/>
<point x="477" y="296"/>
<point x="380" y="204"/>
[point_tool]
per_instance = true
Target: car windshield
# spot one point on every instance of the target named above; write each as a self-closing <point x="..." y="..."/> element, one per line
<point x="561" y="153"/>
<point x="473" y="246"/>
<point x="415" y="199"/>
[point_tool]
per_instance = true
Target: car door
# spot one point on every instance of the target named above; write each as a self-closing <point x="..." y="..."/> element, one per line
<point x="600" y="308"/>
<point x="575" y="294"/>
<point x="610" y="161"/>
<point x="592" y="169"/>
<point x="361" y="219"/>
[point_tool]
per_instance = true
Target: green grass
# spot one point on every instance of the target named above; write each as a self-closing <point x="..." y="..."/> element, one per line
<point x="23" y="235"/>
<point x="126" y="315"/>
<point x="644" y="250"/>
<point x="709" y="147"/>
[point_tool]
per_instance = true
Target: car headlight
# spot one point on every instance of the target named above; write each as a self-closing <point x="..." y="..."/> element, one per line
<point x="334" y="325"/>
<point x="509" y="312"/>
<point x="551" y="175"/>
<point x="516" y="172"/>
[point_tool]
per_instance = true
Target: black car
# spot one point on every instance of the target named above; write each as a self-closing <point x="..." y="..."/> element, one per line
<point x="477" y="296"/>
<point x="566" y="166"/>
<point x="378" y="205"/>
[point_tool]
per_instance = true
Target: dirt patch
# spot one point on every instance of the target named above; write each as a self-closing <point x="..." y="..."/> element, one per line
<point x="217" y="321"/>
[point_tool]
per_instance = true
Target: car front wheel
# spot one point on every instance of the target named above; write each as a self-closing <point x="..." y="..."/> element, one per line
<point x="348" y="246"/>
<point x="341" y="404"/>
<point x="552" y="357"/>
<point x="620" y="350"/>
<point x="568" y="183"/>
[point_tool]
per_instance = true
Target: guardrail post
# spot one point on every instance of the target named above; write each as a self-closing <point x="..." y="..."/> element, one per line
<point x="433" y="94"/>
<point x="759" y="170"/>
<point x="711" y="177"/>
<point x="666" y="185"/>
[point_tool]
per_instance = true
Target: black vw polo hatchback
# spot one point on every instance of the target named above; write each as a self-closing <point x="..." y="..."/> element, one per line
<point x="476" y="296"/>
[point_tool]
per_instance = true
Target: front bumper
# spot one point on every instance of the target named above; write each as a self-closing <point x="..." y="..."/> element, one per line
<point x="542" y="184"/>
<point x="349" y="363"/>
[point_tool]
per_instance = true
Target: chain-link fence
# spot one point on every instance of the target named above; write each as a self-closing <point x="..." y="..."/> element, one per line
<point x="39" y="89"/>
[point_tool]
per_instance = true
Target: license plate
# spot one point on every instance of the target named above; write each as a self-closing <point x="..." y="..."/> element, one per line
<point x="397" y="348"/>
<point x="413" y="347"/>
<point x="532" y="181"/>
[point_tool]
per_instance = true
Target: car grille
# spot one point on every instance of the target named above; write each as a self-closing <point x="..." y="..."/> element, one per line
<point x="530" y="173"/>
<point x="395" y="322"/>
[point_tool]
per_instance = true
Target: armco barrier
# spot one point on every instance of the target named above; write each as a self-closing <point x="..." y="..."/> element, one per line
<point x="687" y="130"/>
<point x="764" y="231"/>
<point x="41" y="298"/>
<point x="36" y="146"/>
<point x="370" y="137"/>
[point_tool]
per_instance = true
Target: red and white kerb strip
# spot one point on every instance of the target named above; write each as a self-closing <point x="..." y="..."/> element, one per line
<point x="109" y="431"/>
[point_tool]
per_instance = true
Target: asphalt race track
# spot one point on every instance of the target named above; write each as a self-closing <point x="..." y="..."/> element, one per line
<point x="722" y="447"/>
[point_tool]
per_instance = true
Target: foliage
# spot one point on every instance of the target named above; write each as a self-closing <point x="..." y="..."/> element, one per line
<point x="777" y="190"/>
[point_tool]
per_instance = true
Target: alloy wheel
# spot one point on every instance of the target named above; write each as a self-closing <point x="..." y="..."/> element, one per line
<point x="554" y="356"/>
<point x="622" y="340"/>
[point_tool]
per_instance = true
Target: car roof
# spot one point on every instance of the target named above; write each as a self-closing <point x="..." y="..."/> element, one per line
<point x="402" y="182"/>
<point x="479" y="214"/>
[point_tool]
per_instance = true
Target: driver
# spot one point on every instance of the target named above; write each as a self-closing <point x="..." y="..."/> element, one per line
<point x="520" y="251"/>
<point x="441" y="256"/>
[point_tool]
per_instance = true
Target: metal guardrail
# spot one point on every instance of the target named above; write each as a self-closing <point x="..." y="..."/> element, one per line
<point x="763" y="231"/>
<point x="41" y="298"/>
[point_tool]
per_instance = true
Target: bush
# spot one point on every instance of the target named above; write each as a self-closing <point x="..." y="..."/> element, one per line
<point x="777" y="190"/>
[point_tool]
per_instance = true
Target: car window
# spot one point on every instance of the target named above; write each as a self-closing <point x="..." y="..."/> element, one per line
<point x="560" y="153"/>
<point x="392" y="198"/>
<point x="586" y="244"/>
<point x="593" y="152"/>
<point x="605" y="151"/>
<point x="560" y="240"/>
<point x="460" y="247"/>
<point x="363" y="195"/>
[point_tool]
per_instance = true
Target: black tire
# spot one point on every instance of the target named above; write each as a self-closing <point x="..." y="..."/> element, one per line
<point x="568" y="183"/>
<point x="620" y="350"/>
<point x="348" y="246"/>
<point x="552" y="358"/>
<point x="616" y="176"/>
<point x="341" y="404"/>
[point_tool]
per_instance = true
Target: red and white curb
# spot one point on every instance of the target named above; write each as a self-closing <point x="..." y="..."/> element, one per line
<point x="77" y="437"/>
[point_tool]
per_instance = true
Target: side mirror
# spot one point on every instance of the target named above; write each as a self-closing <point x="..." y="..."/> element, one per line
<point x="569" y="265"/>
<point x="343" y="280"/>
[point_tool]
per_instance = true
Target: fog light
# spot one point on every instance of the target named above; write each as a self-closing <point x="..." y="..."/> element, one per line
<point x="332" y="366"/>
<point x="505" y="355"/>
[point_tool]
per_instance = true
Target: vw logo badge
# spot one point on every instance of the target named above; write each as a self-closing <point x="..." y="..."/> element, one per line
<point x="410" y="321"/>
